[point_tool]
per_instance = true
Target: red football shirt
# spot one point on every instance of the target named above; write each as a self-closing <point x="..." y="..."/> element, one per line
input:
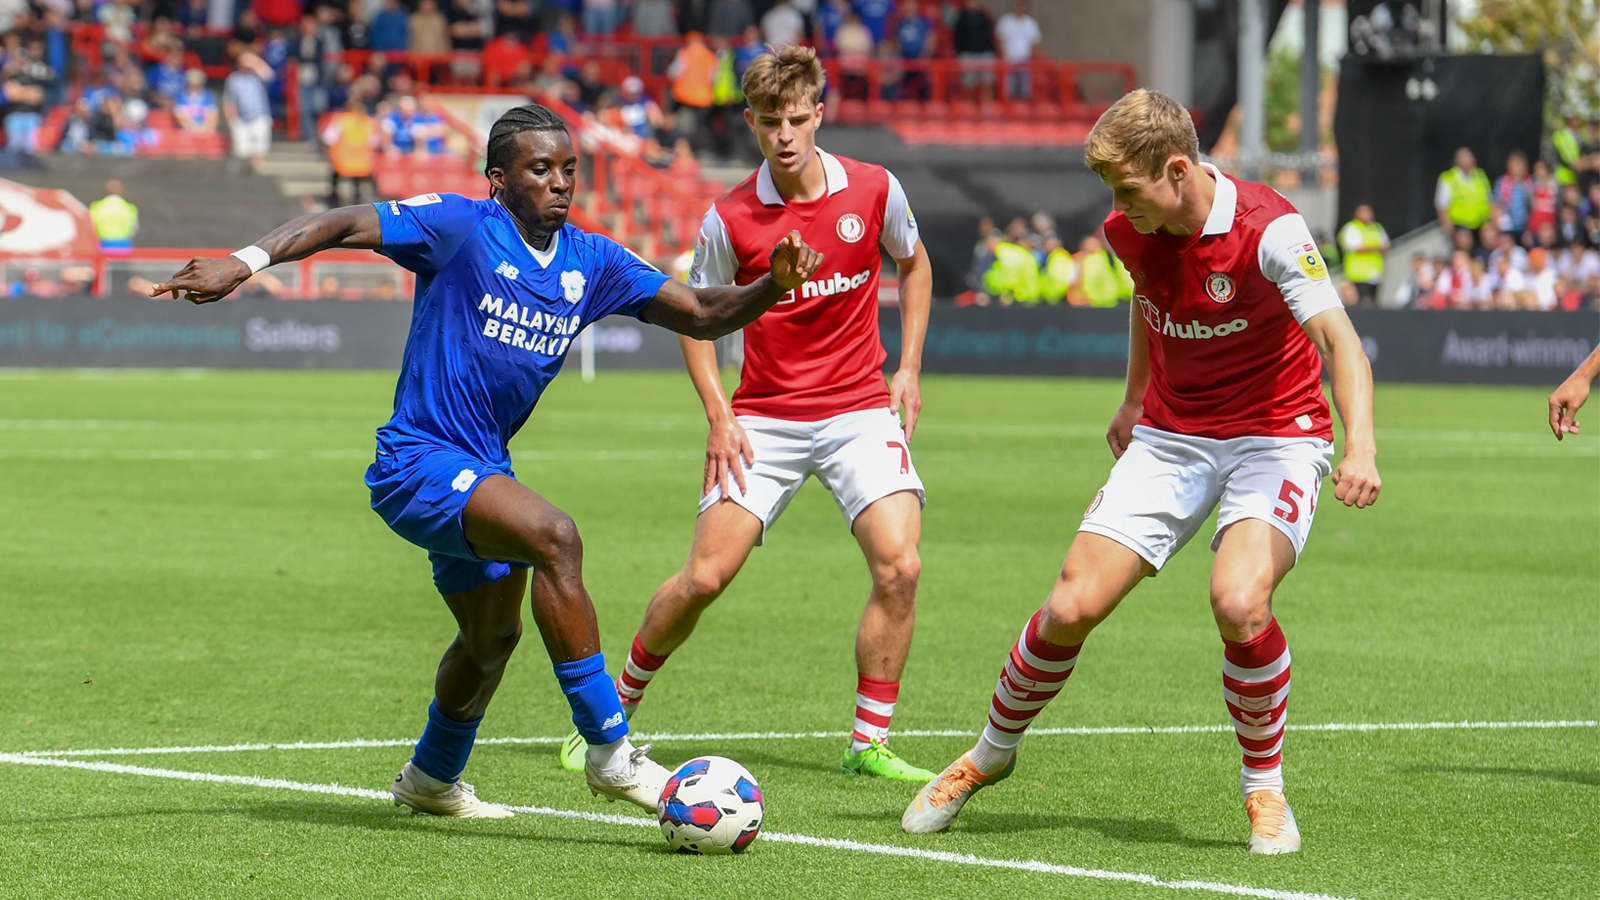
<point x="817" y="352"/>
<point x="1224" y="308"/>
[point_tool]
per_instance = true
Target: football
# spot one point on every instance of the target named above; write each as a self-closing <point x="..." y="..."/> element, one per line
<point x="711" y="805"/>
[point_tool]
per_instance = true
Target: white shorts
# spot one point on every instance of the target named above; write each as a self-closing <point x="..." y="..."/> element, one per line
<point x="1165" y="485"/>
<point x="859" y="457"/>
<point x="252" y="138"/>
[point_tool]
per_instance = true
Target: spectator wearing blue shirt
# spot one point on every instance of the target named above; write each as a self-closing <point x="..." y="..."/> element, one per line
<point x="825" y="24"/>
<point x="55" y="54"/>
<point x="408" y="129"/>
<point x="275" y="53"/>
<point x="915" y="34"/>
<point x="751" y="48"/>
<point x="563" y="39"/>
<point x="642" y="115"/>
<point x="875" y="14"/>
<point x="389" y="30"/>
<point x="195" y="109"/>
<point x="166" y="79"/>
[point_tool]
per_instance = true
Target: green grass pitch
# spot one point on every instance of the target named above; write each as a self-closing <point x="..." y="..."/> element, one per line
<point x="190" y="560"/>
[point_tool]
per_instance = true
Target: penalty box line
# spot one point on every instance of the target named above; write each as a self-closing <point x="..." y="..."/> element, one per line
<point x="965" y="859"/>
<point x="360" y="743"/>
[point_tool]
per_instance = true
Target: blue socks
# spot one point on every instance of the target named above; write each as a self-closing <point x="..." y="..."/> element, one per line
<point x="596" y="709"/>
<point x="446" y="743"/>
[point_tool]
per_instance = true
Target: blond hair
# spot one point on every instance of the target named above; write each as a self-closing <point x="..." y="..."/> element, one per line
<point x="1143" y="130"/>
<point x="787" y="76"/>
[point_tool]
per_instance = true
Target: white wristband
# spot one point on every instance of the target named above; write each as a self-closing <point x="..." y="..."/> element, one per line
<point x="254" y="257"/>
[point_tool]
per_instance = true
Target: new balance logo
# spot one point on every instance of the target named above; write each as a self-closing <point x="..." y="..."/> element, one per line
<point x="508" y="270"/>
<point x="614" y="721"/>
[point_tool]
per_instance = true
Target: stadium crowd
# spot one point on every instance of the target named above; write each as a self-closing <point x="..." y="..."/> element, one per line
<point x="1028" y="263"/>
<point x="1529" y="239"/>
<point x="151" y="73"/>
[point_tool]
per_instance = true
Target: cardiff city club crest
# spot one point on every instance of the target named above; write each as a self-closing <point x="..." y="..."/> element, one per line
<point x="1219" y="285"/>
<point x="850" y="228"/>
<point x="572" y="285"/>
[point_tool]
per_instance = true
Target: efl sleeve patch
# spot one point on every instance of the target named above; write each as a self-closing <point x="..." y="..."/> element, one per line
<point x="1288" y="257"/>
<point x="1311" y="263"/>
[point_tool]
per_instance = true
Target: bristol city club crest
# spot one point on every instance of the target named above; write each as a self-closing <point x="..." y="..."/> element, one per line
<point x="1219" y="286"/>
<point x="850" y="228"/>
<point x="572" y="285"/>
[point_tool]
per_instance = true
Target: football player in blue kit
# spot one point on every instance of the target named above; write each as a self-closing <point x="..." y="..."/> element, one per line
<point x="504" y="285"/>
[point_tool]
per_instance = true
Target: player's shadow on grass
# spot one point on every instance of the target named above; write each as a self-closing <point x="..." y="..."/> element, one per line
<point x="124" y="814"/>
<point x="756" y="760"/>
<point x="380" y="818"/>
<point x="1568" y="775"/>
<point x="1128" y="831"/>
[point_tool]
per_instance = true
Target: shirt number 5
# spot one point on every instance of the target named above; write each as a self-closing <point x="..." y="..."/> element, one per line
<point x="1289" y="495"/>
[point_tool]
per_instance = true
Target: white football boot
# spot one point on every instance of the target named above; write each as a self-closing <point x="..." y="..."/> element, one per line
<point x="426" y="794"/>
<point x="1272" y="826"/>
<point x="939" y="802"/>
<point x="632" y="776"/>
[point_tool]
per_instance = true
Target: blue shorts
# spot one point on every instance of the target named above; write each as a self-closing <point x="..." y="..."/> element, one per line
<point x="420" y="492"/>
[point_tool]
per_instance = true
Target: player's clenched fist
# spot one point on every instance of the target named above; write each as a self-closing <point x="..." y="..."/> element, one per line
<point x="205" y="280"/>
<point x="1356" y="482"/>
<point x="793" y="262"/>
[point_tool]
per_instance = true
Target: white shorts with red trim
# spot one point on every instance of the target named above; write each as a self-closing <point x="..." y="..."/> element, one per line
<point x="860" y="457"/>
<point x="1165" y="485"/>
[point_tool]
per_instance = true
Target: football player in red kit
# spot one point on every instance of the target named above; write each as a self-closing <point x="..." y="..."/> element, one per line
<point x="811" y="398"/>
<point x="1224" y="410"/>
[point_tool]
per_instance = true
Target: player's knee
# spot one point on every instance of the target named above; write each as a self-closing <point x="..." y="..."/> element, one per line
<point x="489" y="649"/>
<point x="896" y="577"/>
<point x="704" y="582"/>
<point x="1246" y="607"/>
<point x="1067" y="621"/>
<point x="554" y="540"/>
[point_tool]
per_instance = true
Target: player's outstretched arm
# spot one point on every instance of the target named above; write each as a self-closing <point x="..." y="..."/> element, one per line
<point x="1567" y="399"/>
<point x="1356" y="482"/>
<point x="728" y="449"/>
<point x="206" y="280"/>
<point x="916" y="297"/>
<point x="1120" y="434"/>
<point x="710" y="312"/>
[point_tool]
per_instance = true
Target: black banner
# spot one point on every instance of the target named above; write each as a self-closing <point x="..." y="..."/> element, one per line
<point x="1399" y="123"/>
<point x="1466" y="347"/>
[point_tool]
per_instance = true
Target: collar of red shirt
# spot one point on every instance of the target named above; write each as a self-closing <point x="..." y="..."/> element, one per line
<point x="1220" y="219"/>
<point x="832" y="169"/>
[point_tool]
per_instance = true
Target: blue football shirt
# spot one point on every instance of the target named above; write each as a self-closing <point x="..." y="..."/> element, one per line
<point x="493" y="318"/>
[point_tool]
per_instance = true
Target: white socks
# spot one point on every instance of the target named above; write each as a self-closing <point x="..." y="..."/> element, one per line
<point x="989" y="756"/>
<point x="608" y="756"/>
<point x="1252" y="780"/>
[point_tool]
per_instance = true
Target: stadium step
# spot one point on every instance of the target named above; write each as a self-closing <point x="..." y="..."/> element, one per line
<point x="300" y="171"/>
<point x="200" y="203"/>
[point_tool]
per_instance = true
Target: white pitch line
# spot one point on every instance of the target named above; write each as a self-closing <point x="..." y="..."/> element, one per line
<point x="359" y="743"/>
<point x="965" y="859"/>
<point x="233" y="455"/>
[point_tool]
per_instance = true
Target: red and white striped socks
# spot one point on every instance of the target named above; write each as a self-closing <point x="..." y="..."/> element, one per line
<point x="875" y="700"/>
<point x="1033" y="674"/>
<point x="1255" y="683"/>
<point x="637" y="671"/>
